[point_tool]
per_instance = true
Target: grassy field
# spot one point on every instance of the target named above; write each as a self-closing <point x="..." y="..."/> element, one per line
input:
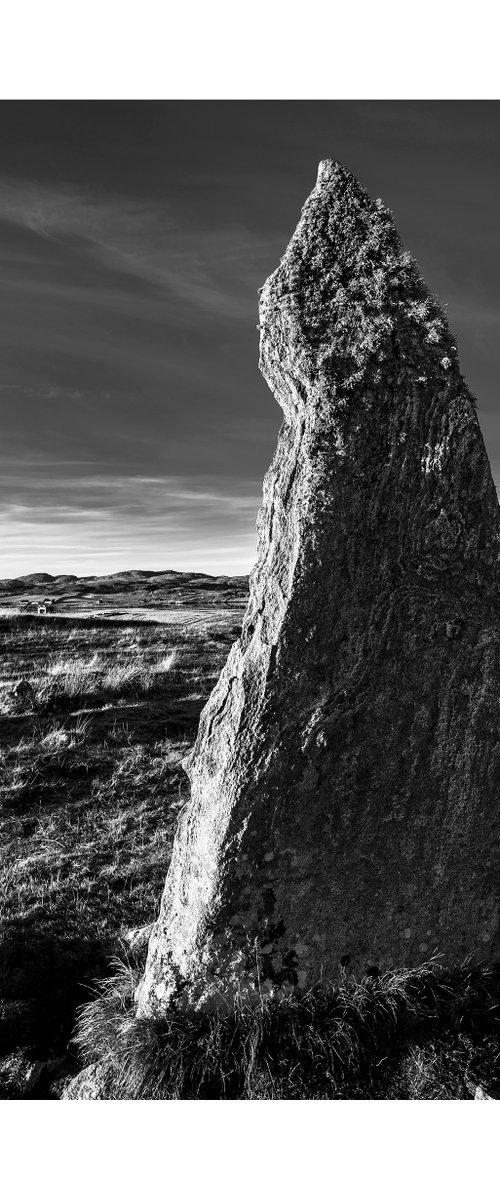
<point x="95" y="717"/>
<point x="96" y="714"/>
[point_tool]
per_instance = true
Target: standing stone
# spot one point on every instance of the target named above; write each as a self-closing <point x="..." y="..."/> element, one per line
<point x="346" y="775"/>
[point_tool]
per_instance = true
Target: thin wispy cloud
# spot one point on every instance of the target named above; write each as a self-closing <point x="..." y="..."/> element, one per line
<point x="39" y="492"/>
<point x="208" y="270"/>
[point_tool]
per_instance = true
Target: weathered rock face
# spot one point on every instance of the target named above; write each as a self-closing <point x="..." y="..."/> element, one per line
<point x="346" y="775"/>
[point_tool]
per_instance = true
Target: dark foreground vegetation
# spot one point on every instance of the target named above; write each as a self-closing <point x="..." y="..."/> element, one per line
<point x="417" y="1034"/>
<point x="95" y="718"/>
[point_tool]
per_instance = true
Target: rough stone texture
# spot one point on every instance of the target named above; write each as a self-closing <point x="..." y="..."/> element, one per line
<point x="345" y="779"/>
<point x="135" y="939"/>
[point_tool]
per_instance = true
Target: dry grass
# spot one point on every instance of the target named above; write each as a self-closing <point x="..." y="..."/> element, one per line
<point x="90" y="789"/>
<point x="77" y="677"/>
<point x="426" y="1033"/>
<point x="96" y="679"/>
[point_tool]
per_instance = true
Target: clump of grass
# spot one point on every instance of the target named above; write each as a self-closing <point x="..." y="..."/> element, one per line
<point x="74" y="671"/>
<point x="78" y="677"/>
<point x="123" y="680"/>
<point x="379" y="1038"/>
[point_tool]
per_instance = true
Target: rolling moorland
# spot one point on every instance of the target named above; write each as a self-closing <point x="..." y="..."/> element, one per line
<point x="99" y="701"/>
<point x="100" y="696"/>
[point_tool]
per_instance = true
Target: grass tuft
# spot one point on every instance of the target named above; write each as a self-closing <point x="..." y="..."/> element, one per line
<point x="72" y="677"/>
<point x="426" y="1033"/>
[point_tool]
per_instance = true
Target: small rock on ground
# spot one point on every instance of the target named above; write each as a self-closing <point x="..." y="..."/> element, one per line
<point x="19" y="1075"/>
<point x="89" y="1084"/>
<point x="481" y="1094"/>
<point x="137" y="938"/>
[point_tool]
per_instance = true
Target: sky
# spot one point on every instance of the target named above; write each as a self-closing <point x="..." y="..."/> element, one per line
<point x="133" y="237"/>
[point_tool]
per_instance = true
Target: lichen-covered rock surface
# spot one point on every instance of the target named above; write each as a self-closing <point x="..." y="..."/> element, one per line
<point x="346" y="776"/>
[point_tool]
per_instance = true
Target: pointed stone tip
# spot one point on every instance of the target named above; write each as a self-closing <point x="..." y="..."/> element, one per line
<point x="329" y="169"/>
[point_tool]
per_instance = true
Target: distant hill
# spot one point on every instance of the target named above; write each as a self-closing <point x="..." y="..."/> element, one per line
<point x="124" y="588"/>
